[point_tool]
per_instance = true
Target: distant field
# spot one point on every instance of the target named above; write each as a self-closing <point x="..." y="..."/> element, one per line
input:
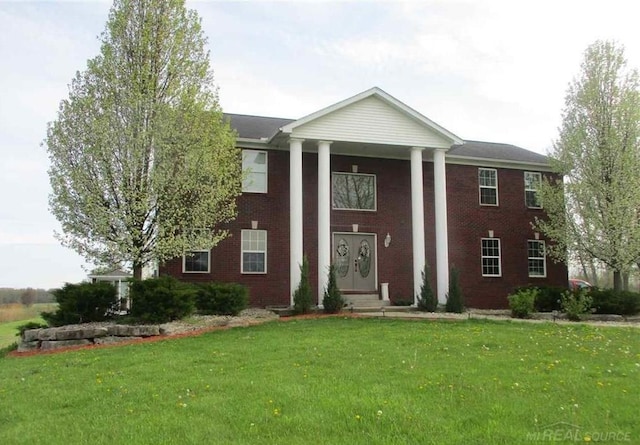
<point x="14" y="315"/>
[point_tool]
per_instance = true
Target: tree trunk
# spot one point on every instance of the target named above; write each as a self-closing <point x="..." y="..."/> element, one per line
<point x="137" y="271"/>
<point x="617" y="280"/>
<point x="625" y="281"/>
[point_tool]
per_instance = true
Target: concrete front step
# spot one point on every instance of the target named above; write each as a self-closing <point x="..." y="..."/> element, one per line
<point x="364" y="300"/>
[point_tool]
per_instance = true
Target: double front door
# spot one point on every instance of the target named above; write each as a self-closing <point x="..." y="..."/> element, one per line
<point x="354" y="256"/>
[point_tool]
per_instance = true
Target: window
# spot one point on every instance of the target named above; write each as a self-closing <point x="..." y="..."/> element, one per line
<point x="532" y="182"/>
<point x="254" y="251"/>
<point x="254" y="167"/>
<point x="353" y="191"/>
<point x="491" y="257"/>
<point x="537" y="258"/>
<point x="196" y="261"/>
<point x="488" y="180"/>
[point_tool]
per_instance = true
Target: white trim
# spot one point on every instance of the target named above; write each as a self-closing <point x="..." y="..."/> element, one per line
<point x="296" y="214"/>
<point x="184" y="261"/>
<point x="242" y="251"/>
<point x="417" y="220"/>
<point x="375" y="192"/>
<point x="482" y="257"/>
<point x="480" y="187"/>
<point x="496" y="163"/>
<point x="324" y="216"/>
<point x="266" y="171"/>
<point x="543" y="258"/>
<point x="442" y="236"/>
<point x="377" y="92"/>
<point x="530" y="189"/>
<point x="375" y="260"/>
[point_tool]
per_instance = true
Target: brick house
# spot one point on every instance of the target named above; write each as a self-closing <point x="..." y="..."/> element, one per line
<point x="379" y="190"/>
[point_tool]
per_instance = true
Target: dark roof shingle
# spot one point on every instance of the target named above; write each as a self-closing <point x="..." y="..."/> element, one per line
<point x="258" y="127"/>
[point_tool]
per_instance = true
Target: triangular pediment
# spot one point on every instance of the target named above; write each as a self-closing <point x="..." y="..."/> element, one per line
<point x="372" y="117"/>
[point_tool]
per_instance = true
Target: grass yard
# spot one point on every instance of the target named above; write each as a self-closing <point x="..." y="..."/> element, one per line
<point x="335" y="381"/>
<point x="14" y="315"/>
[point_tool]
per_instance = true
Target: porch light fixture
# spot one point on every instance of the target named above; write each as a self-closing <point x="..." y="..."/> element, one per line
<point x="387" y="240"/>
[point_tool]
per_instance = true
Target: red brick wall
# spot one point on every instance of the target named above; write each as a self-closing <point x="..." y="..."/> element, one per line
<point x="467" y="220"/>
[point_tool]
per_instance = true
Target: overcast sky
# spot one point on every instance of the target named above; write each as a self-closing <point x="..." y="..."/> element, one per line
<point x="485" y="70"/>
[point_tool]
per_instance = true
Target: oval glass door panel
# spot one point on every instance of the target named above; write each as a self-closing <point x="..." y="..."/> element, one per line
<point x="343" y="258"/>
<point x="364" y="258"/>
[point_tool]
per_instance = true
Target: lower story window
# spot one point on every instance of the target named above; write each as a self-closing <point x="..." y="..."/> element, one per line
<point x="254" y="251"/>
<point x="196" y="261"/>
<point x="537" y="258"/>
<point x="491" y="257"/>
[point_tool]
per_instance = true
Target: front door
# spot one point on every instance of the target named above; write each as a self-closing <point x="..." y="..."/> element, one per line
<point x="354" y="256"/>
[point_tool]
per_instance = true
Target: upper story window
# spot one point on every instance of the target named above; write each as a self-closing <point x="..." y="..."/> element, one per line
<point x="488" y="182"/>
<point x="196" y="261"/>
<point x="353" y="191"/>
<point x="532" y="182"/>
<point x="254" y="167"/>
<point x="537" y="258"/>
<point x="254" y="251"/>
<point x="491" y="264"/>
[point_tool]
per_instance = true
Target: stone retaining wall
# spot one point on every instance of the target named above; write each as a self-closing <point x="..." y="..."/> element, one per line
<point x="80" y="335"/>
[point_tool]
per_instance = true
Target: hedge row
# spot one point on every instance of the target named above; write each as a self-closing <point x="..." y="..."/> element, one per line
<point x="157" y="300"/>
<point x="604" y="301"/>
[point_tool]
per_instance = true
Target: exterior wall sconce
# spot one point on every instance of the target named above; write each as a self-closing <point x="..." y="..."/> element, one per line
<point x="387" y="240"/>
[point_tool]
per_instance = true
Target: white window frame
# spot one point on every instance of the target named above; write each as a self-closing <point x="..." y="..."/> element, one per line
<point x="499" y="257"/>
<point x="535" y="190"/>
<point x="247" y="172"/>
<point x="184" y="261"/>
<point x="375" y="192"/>
<point x="480" y="187"/>
<point x="543" y="258"/>
<point x="243" y="251"/>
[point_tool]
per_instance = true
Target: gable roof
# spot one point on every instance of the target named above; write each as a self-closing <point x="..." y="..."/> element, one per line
<point x="263" y="128"/>
<point x="376" y="93"/>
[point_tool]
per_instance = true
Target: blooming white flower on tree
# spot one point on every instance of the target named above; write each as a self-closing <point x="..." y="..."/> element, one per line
<point x="143" y="165"/>
<point x="594" y="212"/>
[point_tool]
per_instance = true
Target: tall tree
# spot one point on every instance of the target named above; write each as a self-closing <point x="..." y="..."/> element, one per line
<point x="143" y="166"/>
<point x="594" y="211"/>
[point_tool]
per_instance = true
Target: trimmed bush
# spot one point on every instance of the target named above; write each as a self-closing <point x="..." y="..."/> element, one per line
<point x="522" y="303"/>
<point x="427" y="301"/>
<point x="221" y="298"/>
<point x="30" y="325"/>
<point x="455" y="300"/>
<point x="82" y="303"/>
<point x="332" y="301"/>
<point x="160" y="300"/>
<point x="577" y="305"/>
<point x="302" y="298"/>
<point x="548" y="298"/>
<point x="609" y="301"/>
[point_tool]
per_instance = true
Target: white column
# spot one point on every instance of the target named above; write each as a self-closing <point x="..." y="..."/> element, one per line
<point x="442" y="241"/>
<point x="324" y="216"/>
<point x="295" y="212"/>
<point x="417" y="219"/>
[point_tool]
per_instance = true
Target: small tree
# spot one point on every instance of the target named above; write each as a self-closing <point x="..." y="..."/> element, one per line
<point x="333" y="300"/>
<point x="455" y="301"/>
<point x="427" y="300"/>
<point x="28" y="296"/>
<point x="302" y="299"/>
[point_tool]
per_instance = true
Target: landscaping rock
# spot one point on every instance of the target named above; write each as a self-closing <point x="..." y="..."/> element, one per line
<point x="25" y="346"/>
<point x="134" y="331"/>
<point x="112" y="339"/>
<point x="50" y="344"/>
<point x="606" y="317"/>
<point x="79" y="333"/>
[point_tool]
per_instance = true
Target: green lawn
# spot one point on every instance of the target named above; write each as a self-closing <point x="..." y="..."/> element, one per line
<point x="334" y="381"/>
